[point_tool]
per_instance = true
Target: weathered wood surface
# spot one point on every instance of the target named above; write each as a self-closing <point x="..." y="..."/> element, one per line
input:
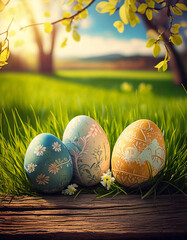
<point x="122" y="217"/>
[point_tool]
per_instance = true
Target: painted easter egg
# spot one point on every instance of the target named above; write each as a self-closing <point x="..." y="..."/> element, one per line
<point x="139" y="153"/>
<point x="48" y="164"/>
<point x="89" y="149"/>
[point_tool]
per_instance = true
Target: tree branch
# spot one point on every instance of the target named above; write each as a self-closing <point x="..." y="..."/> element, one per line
<point x="59" y="20"/>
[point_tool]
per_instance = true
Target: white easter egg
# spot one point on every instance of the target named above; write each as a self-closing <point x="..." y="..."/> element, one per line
<point x="89" y="149"/>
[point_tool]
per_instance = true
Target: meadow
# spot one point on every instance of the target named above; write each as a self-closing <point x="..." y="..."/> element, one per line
<point x="33" y="103"/>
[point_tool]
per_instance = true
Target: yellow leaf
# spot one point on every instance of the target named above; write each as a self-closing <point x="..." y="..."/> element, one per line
<point x="2" y="6"/>
<point x="104" y="7"/>
<point x="70" y="2"/>
<point x="176" y="11"/>
<point x="123" y="14"/>
<point x="137" y="19"/>
<point x="64" y="43"/>
<point x="151" y="4"/>
<point x="12" y="33"/>
<point x="160" y="64"/>
<point x="76" y="36"/>
<point x="142" y="8"/>
<point x="100" y="6"/>
<point x="78" y="7"/>
<point x="150" y="42"/>
<point x="68" y="28"/>
<point x="18" y="43"/>
<point x="2" y="44"/>
<point x="175" y="28"/>
<point x="4" y="55"/>
<point x="66" y="21"/>
<point x="48" y="28"/>
<point x="165" y="66"/>
<point x="156" y="49"/>
<point x="176" y="40"/>
<point x="119" y="25"/>
<point x="182" y="6"/>
<point x="84" y="14"/>
<point x="133" y="7"/>
<point x="47" y="14"/>
<point x="149" y="14"/>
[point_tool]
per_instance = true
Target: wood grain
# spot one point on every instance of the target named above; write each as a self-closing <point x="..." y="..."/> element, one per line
<point x="122" y="217"/>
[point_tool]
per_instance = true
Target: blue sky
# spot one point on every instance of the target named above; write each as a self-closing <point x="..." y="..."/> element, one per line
<point x="103" y="25"/>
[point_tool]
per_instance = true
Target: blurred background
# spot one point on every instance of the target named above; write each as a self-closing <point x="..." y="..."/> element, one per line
<point x="103" y="69"/>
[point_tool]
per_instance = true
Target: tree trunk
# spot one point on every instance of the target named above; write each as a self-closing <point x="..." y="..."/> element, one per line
<point x="45" y="60"/>
<point x="176" y="64"/>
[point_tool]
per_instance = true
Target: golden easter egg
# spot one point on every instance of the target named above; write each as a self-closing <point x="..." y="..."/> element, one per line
<point x="139" y="153"/>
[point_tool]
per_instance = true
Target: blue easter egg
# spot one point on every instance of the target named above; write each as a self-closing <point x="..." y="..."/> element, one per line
<point x="48" y="164"/>
<point x="89" y="148"/>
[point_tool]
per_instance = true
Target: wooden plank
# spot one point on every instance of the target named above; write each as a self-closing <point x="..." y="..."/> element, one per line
<point x="58" y="217"/>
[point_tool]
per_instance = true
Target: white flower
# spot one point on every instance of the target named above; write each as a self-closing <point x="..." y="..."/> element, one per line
<point x="107" y="179"/>
<point x="31" y="167"/>
<point x="71" y="189"/>
<point x="56" y="146"/>
<point x="94" y="131"/>
<point x="39" y="150"/>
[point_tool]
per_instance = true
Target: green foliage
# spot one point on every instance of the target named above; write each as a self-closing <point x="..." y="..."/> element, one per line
<point x="34" y="103"/>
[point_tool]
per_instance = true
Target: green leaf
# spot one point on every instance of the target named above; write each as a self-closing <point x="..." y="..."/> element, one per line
<point x="182" y="6"/>
<point x="156" y="49"/>
<point x="64" y="43"/>
<point x="176" y="11"/>
<point x="142" y="8"/>
<point x="76" y="36"/>
<point x="149" y="14"/>
<point x="48" y="28"/>
<point x="119" y="25"/>
<point x="123" y="14"/>
<point x="176" y="40"/>
<point x="150" y="42"/>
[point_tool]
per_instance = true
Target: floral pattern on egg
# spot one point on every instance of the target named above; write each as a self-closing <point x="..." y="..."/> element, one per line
<point x="138" y="152"/>
<point x="89" y="149"/>
<point x="48" y="164"/>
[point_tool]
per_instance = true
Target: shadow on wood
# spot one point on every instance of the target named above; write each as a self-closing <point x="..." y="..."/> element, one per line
<point x="122" y="217"/>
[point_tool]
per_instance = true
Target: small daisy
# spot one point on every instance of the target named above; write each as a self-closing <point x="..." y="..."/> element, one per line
<point x="31" y="167"/>
<point x="107" y="179"/>
<point x="42" y="179"/>
<point x="56" y="146"/>
<point x="70" y="190"/>
<point x="39" y="150"/>
<point x="94" y="131"/>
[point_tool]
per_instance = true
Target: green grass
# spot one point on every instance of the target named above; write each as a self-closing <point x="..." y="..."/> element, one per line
<point x="32" y="103"/>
